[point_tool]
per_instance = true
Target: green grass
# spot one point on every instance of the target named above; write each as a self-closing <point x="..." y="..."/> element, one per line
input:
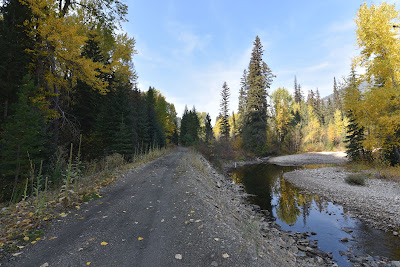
<point x="356" y="179"/>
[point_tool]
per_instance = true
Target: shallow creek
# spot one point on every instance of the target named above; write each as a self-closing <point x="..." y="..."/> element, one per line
<point x="298" y="211"/>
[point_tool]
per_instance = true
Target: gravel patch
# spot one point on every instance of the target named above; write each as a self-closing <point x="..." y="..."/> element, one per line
<point x="377" y="203"/>
<point x="310" y="158"/>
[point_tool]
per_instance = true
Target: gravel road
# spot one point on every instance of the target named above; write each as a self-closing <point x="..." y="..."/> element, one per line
<point x="164" y="213"/>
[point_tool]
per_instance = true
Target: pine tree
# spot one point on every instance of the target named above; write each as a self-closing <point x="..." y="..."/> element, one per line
<point x="337" y="103"/>
<point x="354" y="139"/>
<point x="255" y="118"/>
<point x="297" y="91"/>
<point x="244" y="87"/>
<point x="224" y="122"/>
<point x="24" y="138"/>
<point x="209" y="135"/>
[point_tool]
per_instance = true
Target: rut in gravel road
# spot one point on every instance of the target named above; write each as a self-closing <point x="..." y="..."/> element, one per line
<point x="150" y="217"/>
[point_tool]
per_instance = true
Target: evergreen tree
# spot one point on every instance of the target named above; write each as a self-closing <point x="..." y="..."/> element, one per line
<point x="255" y="118"/>
<point x="209" y="135"/>
<point x="336" y="97"/>
<point x="24" y="138"/>
<point x="244" y="87"/>
<point x="297" y="91"/>
<point x="224" y="122"/>
<point x="354" y="139"/>
<point x="190" y="127"/>
<point x="14" y="58"/>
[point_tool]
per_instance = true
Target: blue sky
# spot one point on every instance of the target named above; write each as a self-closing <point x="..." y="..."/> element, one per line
<point x="187" y="49"/>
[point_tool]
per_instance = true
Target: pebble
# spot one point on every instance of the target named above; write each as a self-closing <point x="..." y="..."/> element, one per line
<point x="395" y="233"/>
<point x="214" y="263"/>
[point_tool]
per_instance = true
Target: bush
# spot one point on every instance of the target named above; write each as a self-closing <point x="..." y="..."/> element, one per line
<point x="355" y="179"/>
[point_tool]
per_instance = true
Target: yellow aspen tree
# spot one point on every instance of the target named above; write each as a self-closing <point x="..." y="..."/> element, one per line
<point x="379" y="110"/>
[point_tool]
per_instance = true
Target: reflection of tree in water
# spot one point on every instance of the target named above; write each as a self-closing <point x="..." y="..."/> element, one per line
<point x="287" y="209"/>
<point x="305" y="201"/>
<point x="322" y="205"/>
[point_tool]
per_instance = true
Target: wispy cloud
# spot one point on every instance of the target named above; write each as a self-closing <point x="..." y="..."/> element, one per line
<point x="188" y="40"/>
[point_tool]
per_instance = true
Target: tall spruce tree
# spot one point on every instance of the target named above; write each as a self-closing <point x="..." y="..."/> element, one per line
<point x="297" y="91"/>
<point x="244" y="87"/>
<point x="255" y="117"/>
<point x="209" y="135"/>
<point x="224" y="122"/>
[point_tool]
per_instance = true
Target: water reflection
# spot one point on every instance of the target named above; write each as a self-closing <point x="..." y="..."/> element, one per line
<point x="296" y="210"/>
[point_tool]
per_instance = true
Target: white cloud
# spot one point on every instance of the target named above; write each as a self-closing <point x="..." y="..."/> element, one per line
<point x="189" y="40"/>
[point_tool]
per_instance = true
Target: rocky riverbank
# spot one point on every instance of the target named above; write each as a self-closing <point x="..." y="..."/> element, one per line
<point x="271" y="246"/>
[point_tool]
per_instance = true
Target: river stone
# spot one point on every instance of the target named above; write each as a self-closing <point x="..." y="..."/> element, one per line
<point x="395" y="233"/>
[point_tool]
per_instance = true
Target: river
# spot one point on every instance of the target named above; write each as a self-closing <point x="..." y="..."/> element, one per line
<point x="298" y="211"/>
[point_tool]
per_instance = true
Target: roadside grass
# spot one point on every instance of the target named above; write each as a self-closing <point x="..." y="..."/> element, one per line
<point x="21" y="223"/>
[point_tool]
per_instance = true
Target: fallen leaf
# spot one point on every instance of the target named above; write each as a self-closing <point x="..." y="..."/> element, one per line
<point x="80" y="249"/>
<point x="162" y="220"/>
<point x="201" y="226"/>
<point x="136" y="222"/>
<point x="178" y="256"/>
<point x="192" y="211"/>
<point x="1" y="245"/>
<point x="216" y="239"/>
<point x="38" y="238"/>
<point x="81" y="218"/>
<point x="225" y="255"/>
<point x="33" y="242"/>
<point x="124" y="211"/>
<point x="26" y="238"/>
<point x="88" y="263"/>
<point x="105" y="217"/>
<point x="16" y="254"/>
<point x="140" y="238"/>
<point x="104" y="243"/>
<point x="197" y="221"/>
<point x="63" y="214"/>
<point x="53" y="237"/>
<point x="78" y="207"/>
<point x="46" y="264"/>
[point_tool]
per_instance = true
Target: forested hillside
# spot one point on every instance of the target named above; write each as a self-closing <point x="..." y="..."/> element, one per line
<point x="67" y="77"/>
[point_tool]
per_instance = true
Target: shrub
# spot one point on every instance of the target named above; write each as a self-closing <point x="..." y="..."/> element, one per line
<point x="355" y="179"/>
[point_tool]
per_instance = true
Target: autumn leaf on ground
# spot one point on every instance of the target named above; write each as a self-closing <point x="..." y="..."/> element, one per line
<point x="192" y="211"/>
<point x="33" y="242"/>
<point x="88" y="263"/>
<point x="63" y="214"/>
<point x="124" y="211"/>
<point x="16" y="254"/>
<point x="225" y="255"/>
<point x="104" y="243"/>
<point x="216" y="239"/>
<point x="140" y="238"/>
<point x="91" y="239"/>
<point x="178" y="256"/>
<point x="26" y="238"/>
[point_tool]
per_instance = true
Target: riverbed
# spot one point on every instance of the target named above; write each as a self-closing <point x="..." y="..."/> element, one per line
<point x="329" y="226"/>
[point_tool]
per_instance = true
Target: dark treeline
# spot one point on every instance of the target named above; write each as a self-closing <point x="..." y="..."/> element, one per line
<point x="67" y="78"/>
